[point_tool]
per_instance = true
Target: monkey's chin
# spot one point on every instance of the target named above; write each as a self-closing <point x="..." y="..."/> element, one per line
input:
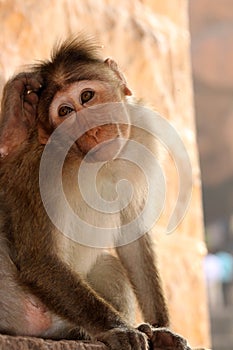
<point x="105" y="151"/>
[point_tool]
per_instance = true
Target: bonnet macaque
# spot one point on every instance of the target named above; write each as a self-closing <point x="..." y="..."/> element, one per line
<point x="51" y="285"/>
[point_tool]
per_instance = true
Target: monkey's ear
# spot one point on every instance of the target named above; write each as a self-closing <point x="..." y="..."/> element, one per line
<point x="113" y="66"/>
<point x="43" y="136"/>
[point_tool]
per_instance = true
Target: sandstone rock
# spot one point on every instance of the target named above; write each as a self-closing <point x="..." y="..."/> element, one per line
<point x="23" y="343"/>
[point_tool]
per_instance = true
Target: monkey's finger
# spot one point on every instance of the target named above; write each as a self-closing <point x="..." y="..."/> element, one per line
<point x="34" y="84"/>
<point x="24" y="82"/>
<point x="147" y="329"/>
<point x="32" y="98"/>
<point x="30" y="78"/>
<point x="138" y="341"/>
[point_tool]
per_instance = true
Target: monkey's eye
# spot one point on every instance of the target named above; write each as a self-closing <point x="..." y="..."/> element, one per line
<point x="64" y="110"/>
<point x="86" y="96"/>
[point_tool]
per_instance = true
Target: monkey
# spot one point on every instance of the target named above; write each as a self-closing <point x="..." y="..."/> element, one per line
<point x="51" y="285"/>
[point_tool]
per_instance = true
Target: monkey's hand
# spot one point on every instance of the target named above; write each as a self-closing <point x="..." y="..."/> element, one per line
<point x="19" y="106"/>
<point x="124" y="338"/>
<point x="163" y="338"/>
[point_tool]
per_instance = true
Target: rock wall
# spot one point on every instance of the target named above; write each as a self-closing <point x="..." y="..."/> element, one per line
<point x="150" y="41"/>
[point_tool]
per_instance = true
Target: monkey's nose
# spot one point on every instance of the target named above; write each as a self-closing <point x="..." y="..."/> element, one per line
<point x="94" y="132"/>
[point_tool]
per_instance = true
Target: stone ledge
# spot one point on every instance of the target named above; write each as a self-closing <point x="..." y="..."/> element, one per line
<point x="29" y="343"/>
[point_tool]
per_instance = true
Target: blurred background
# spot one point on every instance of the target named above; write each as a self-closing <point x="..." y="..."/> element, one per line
<point x="211" y="24"/>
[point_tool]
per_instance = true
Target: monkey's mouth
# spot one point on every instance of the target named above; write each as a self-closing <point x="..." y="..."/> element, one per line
<point x="102" y="152"/>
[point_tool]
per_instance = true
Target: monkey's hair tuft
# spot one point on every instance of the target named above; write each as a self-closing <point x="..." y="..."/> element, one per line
<point x="77" y="58"/>
<point x="77" y="48"/>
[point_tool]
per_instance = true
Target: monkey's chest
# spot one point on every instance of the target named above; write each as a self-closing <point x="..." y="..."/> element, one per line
<point x="79" y="258"/>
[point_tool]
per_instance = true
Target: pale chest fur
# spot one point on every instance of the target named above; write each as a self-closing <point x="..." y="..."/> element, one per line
<point x="79" y="258"/>
<point x="80" y="244"/>
<point x="97" y="200"/>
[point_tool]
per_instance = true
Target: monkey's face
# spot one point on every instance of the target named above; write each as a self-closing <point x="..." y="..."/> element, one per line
<point x="73" y="103"/>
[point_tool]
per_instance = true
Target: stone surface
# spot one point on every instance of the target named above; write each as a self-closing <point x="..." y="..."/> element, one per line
<point x="150" y="41"/>
<point x="22" y="343"/>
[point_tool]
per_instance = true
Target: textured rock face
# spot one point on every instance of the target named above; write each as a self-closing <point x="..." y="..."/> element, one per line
<point x="150" y="42"/>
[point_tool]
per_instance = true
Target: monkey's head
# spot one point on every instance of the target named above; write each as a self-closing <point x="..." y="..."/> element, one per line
<point x="75" y="80"/>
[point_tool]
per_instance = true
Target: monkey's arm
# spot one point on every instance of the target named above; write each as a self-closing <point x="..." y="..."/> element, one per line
<point x="138" y="258"/>
<point x="66" y="293"/>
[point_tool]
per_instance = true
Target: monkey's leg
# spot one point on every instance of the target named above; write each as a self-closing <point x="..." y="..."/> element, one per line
<point x="139" y="260"/>
<point x="108" y="278"/>
<point x="20" y="312"/>
<point x="142" y="269"/>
